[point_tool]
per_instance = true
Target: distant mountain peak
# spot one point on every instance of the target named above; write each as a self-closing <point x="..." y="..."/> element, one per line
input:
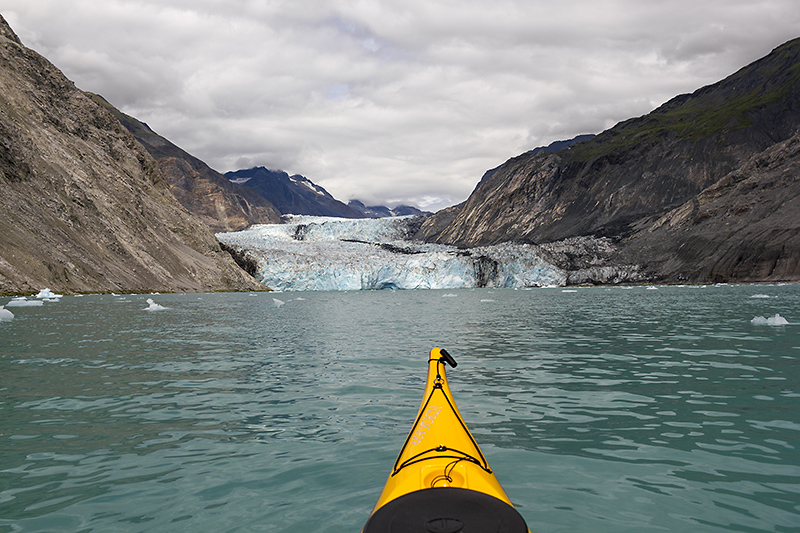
<point x="292" y="195"/>
<point x="298" y="195"/>
<point x="381" y="211"/>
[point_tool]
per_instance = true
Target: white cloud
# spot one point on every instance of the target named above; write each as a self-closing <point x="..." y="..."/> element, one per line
<point x="406" y="101"/>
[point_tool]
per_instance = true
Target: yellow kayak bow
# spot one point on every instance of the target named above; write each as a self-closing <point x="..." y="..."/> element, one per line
<point x="441" y="482"/>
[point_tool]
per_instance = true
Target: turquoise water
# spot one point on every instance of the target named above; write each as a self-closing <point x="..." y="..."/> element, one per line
<point x="600" y="409"/>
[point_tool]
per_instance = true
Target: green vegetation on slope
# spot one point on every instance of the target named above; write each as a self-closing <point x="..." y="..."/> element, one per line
<point x="716" y="110"/>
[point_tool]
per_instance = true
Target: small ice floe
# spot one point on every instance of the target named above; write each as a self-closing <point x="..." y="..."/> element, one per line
<point x="277" y="302"/>
<point x="652" y="288"/>
<point x="21" y="301"/>
<point x="152" y="306"/>
<point x="449" y="295"/>
<point x="776" y="320"/>
<point x="49" y="295"/>
<point x="569" y="290"/>
<point x="760" y="296"/>
<point x="5" y="314"/>
<point x="300" y="299"/>
<point x="487" y="300"/>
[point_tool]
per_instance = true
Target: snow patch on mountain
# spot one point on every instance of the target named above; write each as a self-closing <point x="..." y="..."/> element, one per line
<point x="323" y="253"/>
<point x="309" y="185"/>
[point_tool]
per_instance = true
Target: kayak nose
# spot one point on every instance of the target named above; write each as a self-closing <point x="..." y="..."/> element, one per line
<point x="441" y="482"/>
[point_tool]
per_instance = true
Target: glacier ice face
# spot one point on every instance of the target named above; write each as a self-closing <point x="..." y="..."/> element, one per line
<point x="324" y="253"/>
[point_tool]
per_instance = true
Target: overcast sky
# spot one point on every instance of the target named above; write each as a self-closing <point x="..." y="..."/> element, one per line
<point x="393" y="101"/>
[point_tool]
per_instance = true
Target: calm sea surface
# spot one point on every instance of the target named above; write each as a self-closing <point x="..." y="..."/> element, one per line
<point x="600" y="409"/>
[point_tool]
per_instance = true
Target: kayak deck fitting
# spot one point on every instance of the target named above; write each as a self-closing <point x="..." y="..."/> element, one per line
<point x="441" y="482"/>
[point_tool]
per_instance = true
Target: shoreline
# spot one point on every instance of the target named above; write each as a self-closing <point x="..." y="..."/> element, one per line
<point x="28" y="294"/>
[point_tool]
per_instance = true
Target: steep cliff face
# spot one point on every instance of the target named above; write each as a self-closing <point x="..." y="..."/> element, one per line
<point x="745" y="227"/>
<point x="85" y="207"/>
<point x="640" y="167"/>
<point x="206" y="193"/>
<point x="611" y="184"/>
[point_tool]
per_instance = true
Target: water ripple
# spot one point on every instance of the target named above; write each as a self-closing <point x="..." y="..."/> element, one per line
<point x="601" y="409"/>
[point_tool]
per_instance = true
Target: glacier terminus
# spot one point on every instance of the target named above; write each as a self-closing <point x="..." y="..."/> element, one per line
<point x="311" y="253"/>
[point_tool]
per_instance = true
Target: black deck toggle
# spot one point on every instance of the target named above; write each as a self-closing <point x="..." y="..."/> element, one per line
<point x="448" y="358"/>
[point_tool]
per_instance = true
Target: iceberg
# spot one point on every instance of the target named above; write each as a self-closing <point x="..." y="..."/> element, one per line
<point x="776" y="320"/>
<point x="5" y="314"/>
<point x="310" y="253"/>
<point x="152" y="306"/>
<point x="49" y="295"/>
<point x="21" y="301"/>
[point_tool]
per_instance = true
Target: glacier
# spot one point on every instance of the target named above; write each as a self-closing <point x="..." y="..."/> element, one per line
<point x="312" y="253"/>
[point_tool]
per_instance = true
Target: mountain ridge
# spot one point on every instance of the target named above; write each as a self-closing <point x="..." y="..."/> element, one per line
<point x="86" y="208"/>
<point x="220" y="204"/>
<point x="291" y="194"/>
<point x="381" y="211"/>
<point x="297" y="195"/>
<point x="637" y="170"/>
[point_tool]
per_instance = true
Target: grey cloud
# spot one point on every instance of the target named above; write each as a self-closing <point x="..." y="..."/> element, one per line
<point x="393" y="100"/>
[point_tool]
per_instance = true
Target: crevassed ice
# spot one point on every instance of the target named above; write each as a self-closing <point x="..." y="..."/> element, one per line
<point x="328" y="229"/>
<point x="324" y="253"/>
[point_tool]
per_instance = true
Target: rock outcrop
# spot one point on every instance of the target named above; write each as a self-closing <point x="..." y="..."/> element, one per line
<point x="84" y="206"/>
<point x="745" y="227"/>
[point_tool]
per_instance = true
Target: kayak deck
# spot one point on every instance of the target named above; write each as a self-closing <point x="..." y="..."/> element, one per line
<point x="441" y="482"/>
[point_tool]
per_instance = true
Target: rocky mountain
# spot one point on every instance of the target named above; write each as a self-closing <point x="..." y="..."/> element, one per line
<point x="381" y="211"/>
<point x="745" y="227"/>
<point x="206" y="193"/>
<point x="614" y="184"/>
<point x="296" y="195"/>
<point x="85" y="206"/>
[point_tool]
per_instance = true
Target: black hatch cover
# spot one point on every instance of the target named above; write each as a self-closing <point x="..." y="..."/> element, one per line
<point x="446" y="510"/>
